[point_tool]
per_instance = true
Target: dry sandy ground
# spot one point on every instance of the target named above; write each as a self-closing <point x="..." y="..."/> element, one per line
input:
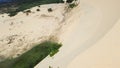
<point x="104" y="54"/>
<point x="21" y="32"/>
<point x="91" y="20"/>
<point x="83" y="26"/>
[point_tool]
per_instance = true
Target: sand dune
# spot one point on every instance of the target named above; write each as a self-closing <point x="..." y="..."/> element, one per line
<point x="81" y="28"/>
<point x="89" y="22"/>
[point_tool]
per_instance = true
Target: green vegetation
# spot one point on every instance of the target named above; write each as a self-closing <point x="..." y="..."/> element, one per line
<point x="50" y="10"/>
<point x="33" y="56"/>
<point x="72" y="5"/>
<point x="38" y="5"/>
<point x="27" y="12"/>
<point x="50" y="67"/>
<point x="38" y="10"/>
<point x="21" y="5"/>
<point x="69" y="1"/>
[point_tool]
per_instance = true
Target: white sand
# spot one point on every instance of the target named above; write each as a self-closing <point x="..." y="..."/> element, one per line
<point x="82" y="28"/>
<point x="105" y="52"/>
<point x="19" y="33"/>
<point x="90" y="21"/>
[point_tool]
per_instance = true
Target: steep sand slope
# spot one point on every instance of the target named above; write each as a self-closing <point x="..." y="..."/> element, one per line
<point x="78" y="29"/>
<point x="88" y="23"/>
<point x="104" y="53"/>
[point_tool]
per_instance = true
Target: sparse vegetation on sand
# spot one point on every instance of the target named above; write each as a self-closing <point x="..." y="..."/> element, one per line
<point x="33" y="56"/>
<point x="72" y="5"/>
<point x="21" y="5"/>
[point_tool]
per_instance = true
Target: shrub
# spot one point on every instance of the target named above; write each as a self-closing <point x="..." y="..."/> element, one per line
<point x="38" y="5"/>
<point x="50" y="67"/>
<point x="50" y="10"/>
<point x="28" y="11"/>
<point x="12" y="14"/>
<point x="38" y="10"/>
<point x="70" y="1"/>
<point x="72" y="5"/>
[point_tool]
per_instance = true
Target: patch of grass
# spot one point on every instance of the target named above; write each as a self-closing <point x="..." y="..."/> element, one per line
<point x="33" y="56"/>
